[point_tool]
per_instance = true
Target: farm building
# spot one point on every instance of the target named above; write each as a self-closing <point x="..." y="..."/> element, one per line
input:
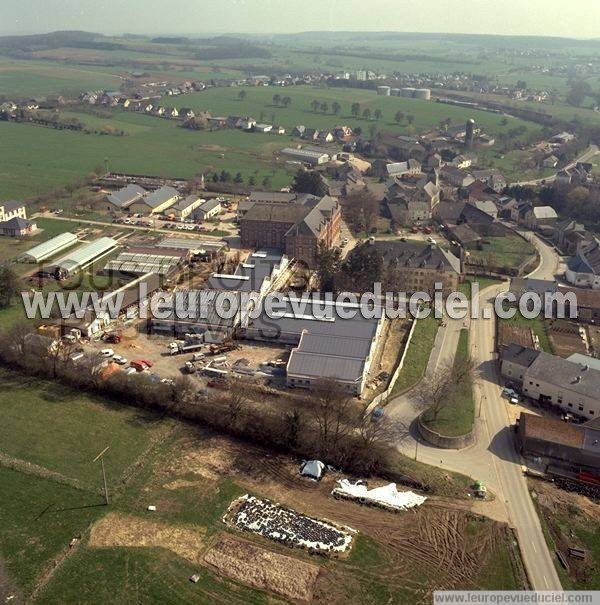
<point x="120" y="200"/>
<point x="306" y="156"/>
<point x="156" y="202"/>
<point x="207" y="209"/>
<point x="50" y="248"/>
<point x="185" y="207"/>
<point x="575" y="447"/>
<point x="85" y="255"/>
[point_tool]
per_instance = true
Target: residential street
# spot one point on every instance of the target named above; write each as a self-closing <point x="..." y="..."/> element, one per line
<point x="586" y="156"/>
<point x="493" y="459"/>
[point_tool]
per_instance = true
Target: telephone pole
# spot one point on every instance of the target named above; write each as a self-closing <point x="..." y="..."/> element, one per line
<point x="100" y="457"/>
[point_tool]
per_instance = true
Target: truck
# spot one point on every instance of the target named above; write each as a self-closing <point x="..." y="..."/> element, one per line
<point x="222" y="348"/>
<point x="177" y="348"/>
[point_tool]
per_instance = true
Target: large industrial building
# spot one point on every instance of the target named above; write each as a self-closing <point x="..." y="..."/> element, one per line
<point x="328" y="346"/>
<point x="262" y="272"/>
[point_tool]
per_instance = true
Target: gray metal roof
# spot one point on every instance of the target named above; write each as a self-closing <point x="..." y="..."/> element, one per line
<point x="160" y="196"/>
<point x="291" y="320"/>
<point x="565" y="374"/>
<point x="339" y="346"/>
<point x="317" y="366"/>
<point x="127" y="195"/>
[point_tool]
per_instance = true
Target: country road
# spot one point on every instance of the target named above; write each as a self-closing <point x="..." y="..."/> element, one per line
<point x="586" y="156"/>
<point x="493" y="458"/>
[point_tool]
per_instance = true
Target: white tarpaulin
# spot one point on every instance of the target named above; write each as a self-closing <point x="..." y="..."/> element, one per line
<point x="386" y="495"/>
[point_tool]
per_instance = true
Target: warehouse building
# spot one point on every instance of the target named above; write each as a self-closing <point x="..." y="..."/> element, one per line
<point x="328" y="345"/>
<point x="156" y="202"/>
<point x="185" y="207"/>
<point x="306" y="156"/>
<point x="50" y="248"/>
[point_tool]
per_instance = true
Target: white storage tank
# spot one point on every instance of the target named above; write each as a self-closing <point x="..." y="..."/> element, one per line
<point x="422" y="93"/>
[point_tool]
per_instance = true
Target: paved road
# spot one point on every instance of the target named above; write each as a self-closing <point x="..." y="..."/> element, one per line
<point x="493" y="458"/>
<point x="105" y="224"/>
<point x="586" y="156"/>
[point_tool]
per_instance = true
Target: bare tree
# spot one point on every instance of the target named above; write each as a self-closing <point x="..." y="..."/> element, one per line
<point x="436" y="391"/>
<point x="237" y="400"/>
<point x="332" y="412"/>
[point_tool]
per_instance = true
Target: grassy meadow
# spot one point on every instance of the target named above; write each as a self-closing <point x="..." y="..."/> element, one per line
<point x="35" y="159"/>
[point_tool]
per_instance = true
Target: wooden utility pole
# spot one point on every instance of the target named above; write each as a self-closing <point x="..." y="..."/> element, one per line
<point x="100" y="457"/>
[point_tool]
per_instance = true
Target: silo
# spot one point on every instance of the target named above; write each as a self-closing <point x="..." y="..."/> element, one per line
<point x="407" y="91"/>
<point x="469" y="133"/>
<point x="422" y="93"/>
<point x="384" y="91"/>
<point x="395" y="92"/>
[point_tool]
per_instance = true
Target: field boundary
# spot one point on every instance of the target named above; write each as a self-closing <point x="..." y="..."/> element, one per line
<point x="29" y="468"/>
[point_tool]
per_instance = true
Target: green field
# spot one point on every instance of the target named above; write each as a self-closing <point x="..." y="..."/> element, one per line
<point x="39" y="79"/>
<point x="60" y="431"/>
<point x="457" y="416"/>
<point x="258" y="103"/>
<point x="66" y="430"/>
<point x="36" y="160"/>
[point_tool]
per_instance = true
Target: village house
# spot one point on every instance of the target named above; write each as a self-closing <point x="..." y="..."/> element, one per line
<point x="12" y="209"/>
<point x="541" y="218"/>
<point x="17" y="227"/>
<point x="568" y="234"/>
<point x="583" y="269"/>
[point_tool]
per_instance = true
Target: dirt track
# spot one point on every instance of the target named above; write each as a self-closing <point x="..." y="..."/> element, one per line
<point x="434" y="542"/>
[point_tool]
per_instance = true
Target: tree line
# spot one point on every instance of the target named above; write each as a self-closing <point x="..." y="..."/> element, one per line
<point x="324" y="423"/>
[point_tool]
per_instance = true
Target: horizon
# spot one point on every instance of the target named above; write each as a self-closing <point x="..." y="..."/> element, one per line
<point x="268" y="34"/>
<point x="540" y="18"/>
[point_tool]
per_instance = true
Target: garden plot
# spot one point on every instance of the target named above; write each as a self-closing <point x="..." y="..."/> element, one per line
<point x="260" y="568"/>
<point x="275" y="522"/>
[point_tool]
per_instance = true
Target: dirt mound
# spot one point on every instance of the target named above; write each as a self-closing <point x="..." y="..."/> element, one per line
<point x="260" y="568"/>
<point x="132" y="532"/>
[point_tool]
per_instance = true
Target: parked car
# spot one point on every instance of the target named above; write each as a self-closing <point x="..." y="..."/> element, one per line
<point x="120" y="360"/>
<point x="107" y="353"/>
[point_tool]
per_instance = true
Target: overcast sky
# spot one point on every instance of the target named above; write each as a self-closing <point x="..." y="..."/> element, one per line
<point x="570" y="18"/>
